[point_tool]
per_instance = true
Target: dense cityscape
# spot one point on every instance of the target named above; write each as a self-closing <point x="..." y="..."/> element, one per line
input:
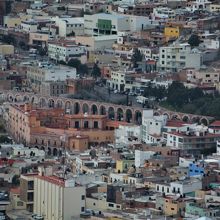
<point x="110" y="109"/>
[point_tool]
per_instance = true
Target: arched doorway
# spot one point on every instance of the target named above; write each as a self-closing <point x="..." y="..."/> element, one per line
<point x="51" y="103"/>
<point x="111" y="113"/>
<point x="102" y="110"/>
<point x="49" y="151"/>
<point x="68" y="107"/>
<point x="43" y="102"/>
<point x="76" y="108"/>
<point x="185" y="118"/>
<point x="138" y="117"/>
<point x="85" y="108"/>
<point x="129" y="115"/>
<point x="120" y="114"/>
<point x="59" y="104"/>
<point x="94" y="109"/>
<point x="55" y="152"/>
<point x="204" y="121"/>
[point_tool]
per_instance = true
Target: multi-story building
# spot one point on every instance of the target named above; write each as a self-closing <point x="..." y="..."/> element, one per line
<point x="152" y="126"/>
<point x="27" y="191"/>
<point x="55" y="198"/>
<point x="209" y="76"/>
<point x="53" y="88"/>
<point x="194" y="141"/>
<point x="69" y="26"/>
<point x="163" y="13"/>
<point x="44" y="127"/>
<point x="113" y="24"/>
<point x="177" y="57"/>
<point x="29" y="26"/>
<point x="45" y="72"/>
<point x="64" y="51"/>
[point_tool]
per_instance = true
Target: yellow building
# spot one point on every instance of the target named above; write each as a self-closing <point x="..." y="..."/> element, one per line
<point x="15" y="21"/>
<point x="173" y="206"/>
<point x="123" y="165"/>
<point x="6" y="49"/>
<point x="214" y="7"/>
<point x="172" y="32"/>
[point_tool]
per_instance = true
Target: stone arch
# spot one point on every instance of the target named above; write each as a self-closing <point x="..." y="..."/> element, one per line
<point x="59" y="103"/>
<point x="156" y="113"/>
<point x="128" y="115"/>
<point x="42" y="148"/>
<point x="51" y="103"/>
<point x="175" y="117"/>
<point x="186" y="118"/>
<point x="94" y="109"/>
<point x="43" y="102"/>
<point x="102" y="110"/>
<point x="85" y="108"/>
<point x="138" y="117"/>
<point x="120" y="114"/>
<point x="26" y="98"/>
<point x="167" y="114"/>
<point x="10" y="97"/>
<point x="34" y="99"/>
<point x="67" y="107"/>
<point x="204" y="121"/>
<point x="18" y="98"/>
<point x="49" y="151"/>
<point x="111" y="113"/>
<point x="55" y="152"/>
<point x="76" y="108"/>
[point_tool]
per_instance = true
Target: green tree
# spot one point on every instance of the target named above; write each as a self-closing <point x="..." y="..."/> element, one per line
<point x="194" y="40"/>
<point x="83" y="69"/>
<point x="136" y="57"/>
<point x="74" y="63"/>
<point x="96" y="72"/>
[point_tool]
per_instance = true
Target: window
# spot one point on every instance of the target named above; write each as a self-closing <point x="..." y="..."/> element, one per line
<point x="82" y="209"/>
<point x="82" y="197"/>
<point x="111" y="205"/>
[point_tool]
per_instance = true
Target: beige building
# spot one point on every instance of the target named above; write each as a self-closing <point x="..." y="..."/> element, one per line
<point x="38" y="38"/>
<point x="6" y="49"/>
<point x="56" y="199"/>
<point x="94" y="43"/>
<point x="15" y="21"/>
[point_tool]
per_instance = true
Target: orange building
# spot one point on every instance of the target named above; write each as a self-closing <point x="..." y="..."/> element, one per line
<point x="52" y="129"/>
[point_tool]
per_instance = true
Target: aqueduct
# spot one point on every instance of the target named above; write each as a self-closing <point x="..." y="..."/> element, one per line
<point x="113" y="111"/>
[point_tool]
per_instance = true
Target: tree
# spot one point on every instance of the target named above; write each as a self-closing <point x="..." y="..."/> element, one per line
<point x="96" y="72"/>
<point x="42" y="51"/>
<point x="74" y="63"/>
<point x="136" y="57"/>
<point x="83" y="69"/>
<point x="194" y="40"/>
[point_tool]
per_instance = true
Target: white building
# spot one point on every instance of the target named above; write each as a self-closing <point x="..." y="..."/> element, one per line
<point x="29" y="26"/>
<point x="177" y="57"/>
<point x="56" y="199"/>
<point x="142" y="156"/>
<point x="163" y="13"/>
<point x="152" y="126"/>
<point x="24" y="151"/>
<point x="180" y="187"/>
<point x="117" y="80"/>
<point x="40" y="74"/>
<point x="112" y="24"/>
<point x="65" y="51"/>
<point x="125" y="134"/>
<point x="199" y="5"/>
<point x="69" y="26"/>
